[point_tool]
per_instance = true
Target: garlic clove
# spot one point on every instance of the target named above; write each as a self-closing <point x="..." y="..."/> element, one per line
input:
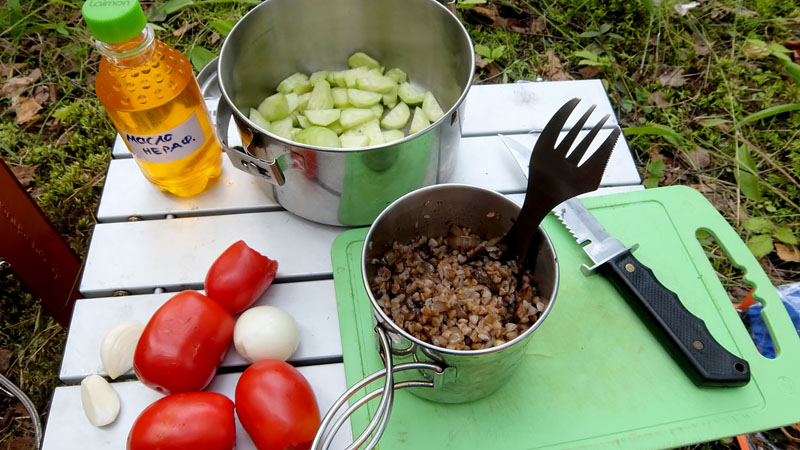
<point x="100" y="401"/>
<point x="118" y="347"/>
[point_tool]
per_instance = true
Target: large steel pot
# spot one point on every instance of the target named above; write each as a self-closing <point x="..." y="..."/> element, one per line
<point x="431" y="372"/>
<point x="344" y="186"/>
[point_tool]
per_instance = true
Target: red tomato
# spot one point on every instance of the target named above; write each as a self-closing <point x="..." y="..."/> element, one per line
<point x="239" y="277"/>
<point x="276" y="406"/>
<point x="183" y="344"/>
<point x="187" y="421"/>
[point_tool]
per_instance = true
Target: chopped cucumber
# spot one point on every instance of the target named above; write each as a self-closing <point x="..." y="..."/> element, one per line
<point x="419" y="122"/>
<point x="323" y="117"/>
<point x="303" y="121"/>
<point x="360" y="59"/>
<point x="351" y="76"/>
<point x="377" y="110"/>
<point x="390" y="99"/>
<point x="274" y="107"/>
<point x="321" y="97"/>
<point x="363" y="99"/>
<point x="410" y="94"/>
<point x="393" y="135"/>
<point x="431" y="107"/>
<point x="302" y="101"/>
<point x="337" y="78"/>
<point x="319" y="136"/>
<point x="292" y="100"/>
<point x="336" y="127"/>
<point x="295" y="131"/>
<point x="316" y="76"/>
<point x="340" y="97"/>
<point x="351" y="140"/>
<point x="353" y="117"/>
<point x="397" y="75"/>
<point x="396" y="118"/>
<point x="282" y="128"/>
<point x="297" y="83"/>
<point x="370" y="129"/>
<point x="375" y="82"/>
<point x="258" y="119"/>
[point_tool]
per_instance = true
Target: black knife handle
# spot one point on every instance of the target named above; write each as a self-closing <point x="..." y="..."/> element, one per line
<point x="683" y="334"/>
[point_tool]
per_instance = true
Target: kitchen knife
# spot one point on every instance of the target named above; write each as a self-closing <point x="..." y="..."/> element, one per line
<point x="683" y="334"/>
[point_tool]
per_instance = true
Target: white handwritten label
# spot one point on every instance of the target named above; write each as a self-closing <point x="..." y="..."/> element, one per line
<point x="168" y="146"/>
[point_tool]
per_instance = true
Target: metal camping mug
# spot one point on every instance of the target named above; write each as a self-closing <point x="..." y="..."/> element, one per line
<point x="333" y="185"/>
<point x="435" y="373"/>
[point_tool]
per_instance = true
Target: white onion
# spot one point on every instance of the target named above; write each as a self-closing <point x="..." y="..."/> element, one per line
<point x="265" y="332"/>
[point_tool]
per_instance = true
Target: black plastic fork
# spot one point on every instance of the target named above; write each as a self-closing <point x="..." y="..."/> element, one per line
<point x="555" y="176"/>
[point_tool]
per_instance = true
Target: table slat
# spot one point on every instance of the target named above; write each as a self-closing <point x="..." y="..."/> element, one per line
<point x="312" y="304"/>
<point x="68" y="428"/>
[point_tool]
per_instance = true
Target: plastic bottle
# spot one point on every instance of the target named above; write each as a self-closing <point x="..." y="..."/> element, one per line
<point x="149" y="91"/>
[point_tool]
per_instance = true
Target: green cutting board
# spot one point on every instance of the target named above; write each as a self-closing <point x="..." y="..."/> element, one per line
<point x="594" y="375"/>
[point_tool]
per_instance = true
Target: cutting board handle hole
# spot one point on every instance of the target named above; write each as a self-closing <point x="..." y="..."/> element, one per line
<point x="740" y="293"/>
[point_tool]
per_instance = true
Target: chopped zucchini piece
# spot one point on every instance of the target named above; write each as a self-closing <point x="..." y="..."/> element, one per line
<point x="319" y="136"/>
<point x="274" y="107"/>
<point x="410" y="94"/>
<point x="352" y="140"/>
<point x="321" y="97"/>
<point x="323" y="117"/>
<point x="282" y="128"/>
<point x="297" y="83"/>
<point x="292" y="100"/>
<point x="431" y="107"/>
<point x="393" y="135"/>
<point x="390" y="99"/>
<point x="377" y="110"/>
<point x="419" y="122"/>
<point x="295" y="131"/>
<point x="352" y="117"/>
<point x="303" y="121"/>
<point x="336" y="127"/>
<point x="351" y="76"/>
<point x="258" y="119"/>
<point x="363" y="99"/>
<point x="337" y="78"/>
<point x="397" y="75"/>
<point x="360" y="59"/>
<point x="375" y="82"/>
<point x="302" y="101"/>
<point x="316" y="76"/>
<point x="340" y="97"/>
<point x="397" y="118"/>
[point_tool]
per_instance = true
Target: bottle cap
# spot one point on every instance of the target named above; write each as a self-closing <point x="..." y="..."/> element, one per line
<point x="114" y="21"/>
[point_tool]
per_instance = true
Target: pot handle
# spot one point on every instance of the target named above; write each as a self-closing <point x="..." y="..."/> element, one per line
<point x="242" y="158"/>
<point x="328" y="428"/>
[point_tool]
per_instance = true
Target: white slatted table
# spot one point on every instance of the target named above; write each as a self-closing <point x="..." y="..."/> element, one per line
<point x="176" y="241"/>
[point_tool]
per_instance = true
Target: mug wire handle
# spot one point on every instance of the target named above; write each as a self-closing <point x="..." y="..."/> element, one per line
<point x="327" y="431"/>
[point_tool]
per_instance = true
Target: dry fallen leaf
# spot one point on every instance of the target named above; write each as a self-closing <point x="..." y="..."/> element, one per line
<point x="6" y="68"/>
<point x="45" y="94"/>
<point x="686" y="7"/>
<point x="24" y="174"/>
<point x="480" y="62"/>
<point x="214" y="38"/>
<point x="657" y="99"/>
<point x="700" y="157"/>
<point x="672" y="78"/>
<point x="26" y="109"/>
<point x="700" y="45"/>
<point x="538" y="25"/>
<point x="588" y="72"/>
<point x="182" y="30"/>
<point x="788" y="253"/>
<point x="556" y="71"/>
<point x="5" y="359"/>
<point x="20" y="443"/>
<point x="490" y="15"/>
<point x="794" y="46"/>
<point x="14" y="85"/>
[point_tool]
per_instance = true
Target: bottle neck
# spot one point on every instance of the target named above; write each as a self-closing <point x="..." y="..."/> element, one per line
<point x="132" y="52"/>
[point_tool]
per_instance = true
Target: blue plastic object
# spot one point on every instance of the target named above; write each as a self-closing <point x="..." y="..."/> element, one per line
<point x="790" y="295"/>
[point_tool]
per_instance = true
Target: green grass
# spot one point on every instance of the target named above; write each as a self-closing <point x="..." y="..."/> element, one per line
<point x="721" y="125"/>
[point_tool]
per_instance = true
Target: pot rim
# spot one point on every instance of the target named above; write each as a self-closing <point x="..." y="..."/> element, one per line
<point x="384" y="320"/>
<point x="239" y="115"/>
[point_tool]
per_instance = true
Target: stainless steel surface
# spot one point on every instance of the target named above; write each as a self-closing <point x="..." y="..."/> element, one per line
<point x="582" y="224"/>
<point x="558" y="174"/>
<point x="467" y="375"/>
<point x="344" y="186"/>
